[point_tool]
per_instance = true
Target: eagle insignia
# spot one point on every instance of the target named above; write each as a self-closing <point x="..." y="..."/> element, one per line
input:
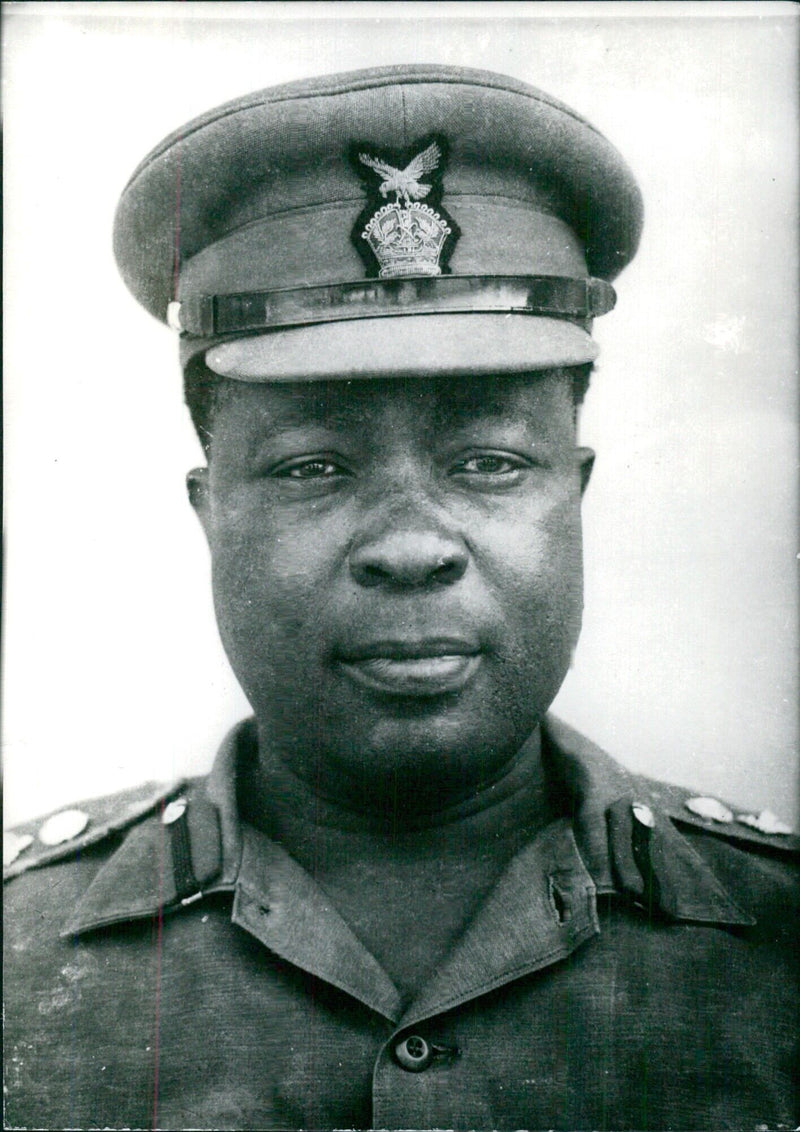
<point x="404" y="237"/>
<point x="405" y="182"/>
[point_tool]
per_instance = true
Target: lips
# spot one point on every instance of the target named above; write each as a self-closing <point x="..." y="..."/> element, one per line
<point x="430" y="667"/>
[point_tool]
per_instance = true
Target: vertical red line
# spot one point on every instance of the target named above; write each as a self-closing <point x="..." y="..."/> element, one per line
<point x="159" y="935"/>
<point x="176" y="266"/>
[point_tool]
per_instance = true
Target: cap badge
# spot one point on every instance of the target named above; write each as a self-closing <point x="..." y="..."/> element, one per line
<point x="404" y="237"/>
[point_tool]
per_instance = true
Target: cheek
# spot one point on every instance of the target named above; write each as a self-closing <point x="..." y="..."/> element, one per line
<point x="539" y="572"/>
<point x="270" y="571"/>
<point x="540" y="552"/>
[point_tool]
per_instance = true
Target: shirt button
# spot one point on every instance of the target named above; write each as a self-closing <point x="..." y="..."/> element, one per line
<point x="413" y="1053"/>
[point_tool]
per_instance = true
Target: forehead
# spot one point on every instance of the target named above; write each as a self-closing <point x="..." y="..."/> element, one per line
<point x="438" y="402"/>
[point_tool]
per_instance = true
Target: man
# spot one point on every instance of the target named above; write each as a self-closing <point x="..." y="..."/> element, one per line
<point x="405" y="896"/>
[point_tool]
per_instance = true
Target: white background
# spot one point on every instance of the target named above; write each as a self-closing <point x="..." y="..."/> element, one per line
<point x="687" y="668"/>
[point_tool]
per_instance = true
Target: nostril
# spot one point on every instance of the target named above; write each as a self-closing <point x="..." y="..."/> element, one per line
<point x="449" y="571"/>
<point x="443" y="573"/>
<point x="370" y="575"/>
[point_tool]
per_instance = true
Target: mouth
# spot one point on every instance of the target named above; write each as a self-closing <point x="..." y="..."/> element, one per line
<point x="412" y="668"/>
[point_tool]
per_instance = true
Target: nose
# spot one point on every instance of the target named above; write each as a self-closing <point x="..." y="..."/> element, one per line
<point x="408" y="558"/>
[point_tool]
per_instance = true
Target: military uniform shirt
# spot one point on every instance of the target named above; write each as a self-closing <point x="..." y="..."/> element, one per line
<point x="633" y="968"/>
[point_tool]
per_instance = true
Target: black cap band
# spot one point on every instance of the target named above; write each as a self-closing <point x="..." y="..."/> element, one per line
<point x="553" y="296"/>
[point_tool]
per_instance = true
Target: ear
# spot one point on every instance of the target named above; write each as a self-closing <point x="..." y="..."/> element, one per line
<point x="586" y="461"/>
<point x="198" y="490"/>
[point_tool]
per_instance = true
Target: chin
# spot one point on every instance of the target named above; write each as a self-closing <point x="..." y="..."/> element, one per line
<point x="425" y="751"/>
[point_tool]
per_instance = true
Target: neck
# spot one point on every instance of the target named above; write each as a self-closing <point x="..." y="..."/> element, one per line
<point x="268" y="786"/>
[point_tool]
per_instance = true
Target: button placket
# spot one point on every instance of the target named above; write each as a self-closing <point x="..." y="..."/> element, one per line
<point x="415" y="1074"/>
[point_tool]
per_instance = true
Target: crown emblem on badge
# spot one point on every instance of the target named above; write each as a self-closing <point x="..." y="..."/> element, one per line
<point x="405" y="237"/>
<point x="406" y="241"/>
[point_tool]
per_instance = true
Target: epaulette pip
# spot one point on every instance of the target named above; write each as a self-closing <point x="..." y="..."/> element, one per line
<point x="66" y="832"/>
<point x="734" y="823"/>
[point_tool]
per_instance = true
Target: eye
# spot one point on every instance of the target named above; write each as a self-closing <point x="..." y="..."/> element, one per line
<point x="489" y="464"/>
<point x="316" y="468"/>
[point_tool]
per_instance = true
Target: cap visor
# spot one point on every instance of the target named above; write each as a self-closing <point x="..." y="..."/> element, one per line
<point x="405" y="345"/>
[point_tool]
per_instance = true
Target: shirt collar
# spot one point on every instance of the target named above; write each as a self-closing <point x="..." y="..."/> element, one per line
<point x="629" y="843"/>
<point x="651" y="864"/>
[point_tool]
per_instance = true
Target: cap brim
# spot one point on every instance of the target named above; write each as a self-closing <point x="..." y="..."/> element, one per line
<point x="406" y="345"/>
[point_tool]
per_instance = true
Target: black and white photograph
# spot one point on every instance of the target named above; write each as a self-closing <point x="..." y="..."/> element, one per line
<point x="400" y="609"/>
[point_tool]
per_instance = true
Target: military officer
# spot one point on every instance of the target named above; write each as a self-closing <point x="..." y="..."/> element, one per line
<point x="406" y="896"/>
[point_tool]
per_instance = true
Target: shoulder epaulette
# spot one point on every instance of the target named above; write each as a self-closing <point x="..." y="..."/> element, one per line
<point x="65" y="832"/>
<point x="721" y="819"/>
<point x="185" y="837"/>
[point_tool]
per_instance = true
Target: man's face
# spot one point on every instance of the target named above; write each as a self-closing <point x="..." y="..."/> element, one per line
<point x="397" y="570"/>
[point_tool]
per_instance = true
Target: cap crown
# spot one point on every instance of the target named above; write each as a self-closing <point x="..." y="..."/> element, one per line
<point x="279" y="205"/>
<point x="281" y="154"/>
